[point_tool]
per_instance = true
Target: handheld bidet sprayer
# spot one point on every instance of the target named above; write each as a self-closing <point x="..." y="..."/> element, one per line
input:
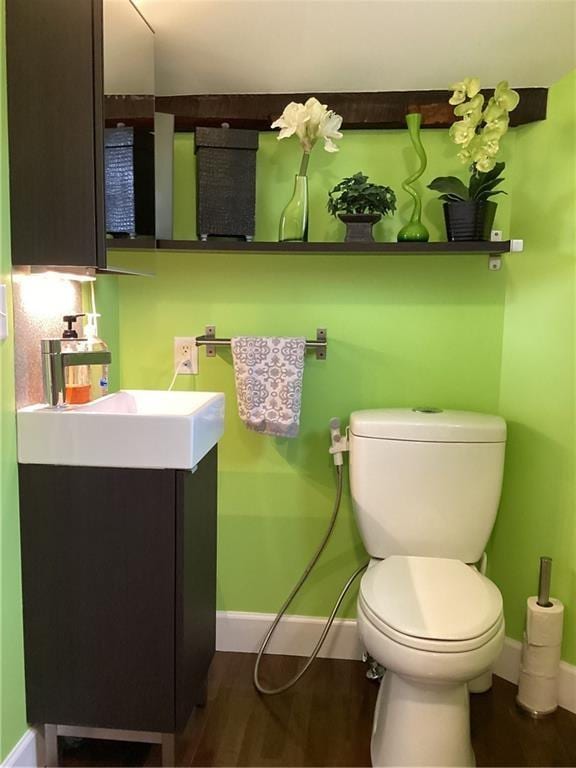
<point x="338" y="442"/>
<point x="338" y="445"/>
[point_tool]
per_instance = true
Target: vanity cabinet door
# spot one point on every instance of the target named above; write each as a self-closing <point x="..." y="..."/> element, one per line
<point x="98" y="578"/>
<point x="55" y="123"/>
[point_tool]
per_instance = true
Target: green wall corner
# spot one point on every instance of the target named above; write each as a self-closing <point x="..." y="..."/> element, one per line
<point x="12" y="709"/>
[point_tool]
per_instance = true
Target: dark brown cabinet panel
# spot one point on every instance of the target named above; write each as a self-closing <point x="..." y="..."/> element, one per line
<point x="119" y="586"/>
<point x="55" y="121"/>
<point x="195" y="608"/>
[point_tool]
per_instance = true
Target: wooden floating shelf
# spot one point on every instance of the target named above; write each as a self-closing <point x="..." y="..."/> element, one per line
<point x="380" y="110"/>
<point x="334" y="247"/>
<point x="215" y="246"/>
<point x="493" y="249"/>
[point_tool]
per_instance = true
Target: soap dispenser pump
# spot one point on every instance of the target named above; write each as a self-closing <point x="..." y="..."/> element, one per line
<point x="98" y="373"/>
<point x="76" y="378"/>
<point x="70" y="332"/>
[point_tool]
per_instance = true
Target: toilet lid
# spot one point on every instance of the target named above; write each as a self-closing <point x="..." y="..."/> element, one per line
<point x="431" y="598"/>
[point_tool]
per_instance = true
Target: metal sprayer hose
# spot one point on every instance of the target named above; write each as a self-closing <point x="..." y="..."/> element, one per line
<point x="294" y="592"/>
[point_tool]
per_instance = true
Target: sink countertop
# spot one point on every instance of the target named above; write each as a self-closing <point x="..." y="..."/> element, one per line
<point x="132" y="428"/>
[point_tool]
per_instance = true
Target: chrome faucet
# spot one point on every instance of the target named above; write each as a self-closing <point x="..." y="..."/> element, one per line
<point x="54" y="364"/>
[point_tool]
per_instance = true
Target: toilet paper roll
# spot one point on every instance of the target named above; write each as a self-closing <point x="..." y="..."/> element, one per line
<point x="541" y="660"/>
<point x="538" y="695"/>
<point x="544" y="625"/>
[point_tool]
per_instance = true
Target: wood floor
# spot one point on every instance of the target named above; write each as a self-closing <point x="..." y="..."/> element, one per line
<point x="325" y="721"/>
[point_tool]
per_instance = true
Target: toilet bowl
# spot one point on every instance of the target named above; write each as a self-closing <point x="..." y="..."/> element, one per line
<point x="435" y="624"/>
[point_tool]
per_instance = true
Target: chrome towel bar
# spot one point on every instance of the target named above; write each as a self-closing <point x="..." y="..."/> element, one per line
<point x="209" y="340"/>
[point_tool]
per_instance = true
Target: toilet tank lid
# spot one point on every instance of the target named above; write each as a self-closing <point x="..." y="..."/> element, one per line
<point x="430" y="425"/>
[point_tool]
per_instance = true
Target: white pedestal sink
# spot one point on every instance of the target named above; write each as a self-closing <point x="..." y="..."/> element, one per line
<point x="131" y="428"/>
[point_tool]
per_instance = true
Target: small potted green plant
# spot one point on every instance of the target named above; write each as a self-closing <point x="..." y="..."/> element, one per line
<point x="360" y="204"/>
<point x="468" y="209"/>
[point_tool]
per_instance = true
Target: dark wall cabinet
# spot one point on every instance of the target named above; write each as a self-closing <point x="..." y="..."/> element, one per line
<point x="61" y="54"/>
<point x="55" y="123"/>
<point x="119" y="583"/>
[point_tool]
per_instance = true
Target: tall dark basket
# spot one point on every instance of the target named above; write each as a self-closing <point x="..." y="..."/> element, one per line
<point x="226" y="183"/>
<point x="129" y="182"/>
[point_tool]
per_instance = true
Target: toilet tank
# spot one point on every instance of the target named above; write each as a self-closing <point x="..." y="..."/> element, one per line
<point x="426" y="482"/>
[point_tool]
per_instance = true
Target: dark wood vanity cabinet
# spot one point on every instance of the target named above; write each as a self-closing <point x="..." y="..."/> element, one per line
<point x="119" y="591"/>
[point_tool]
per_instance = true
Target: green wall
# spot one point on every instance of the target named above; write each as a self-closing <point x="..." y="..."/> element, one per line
<point x="538" y="512"/>
<point x="402" y="331"/>
<point x="12" y="717"/>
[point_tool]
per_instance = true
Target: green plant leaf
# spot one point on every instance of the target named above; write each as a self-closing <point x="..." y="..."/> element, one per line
<point x="494" y="173"/>
<point x="478" y="191"/>
<point x="450" y="185"/>
<point x="356" y="194"/>
<point x="479" y="180"/>
<point x="450" y="199"/>
<point x="487" y="195"/>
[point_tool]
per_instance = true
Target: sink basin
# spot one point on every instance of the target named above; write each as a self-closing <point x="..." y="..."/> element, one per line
<point x="131" y="428"/>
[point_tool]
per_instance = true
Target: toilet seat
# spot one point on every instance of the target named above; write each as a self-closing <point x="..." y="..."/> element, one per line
<point x="431" y="604"/>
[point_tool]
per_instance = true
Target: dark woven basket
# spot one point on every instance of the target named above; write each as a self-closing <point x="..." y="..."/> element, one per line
<point x="226" y="182"/>
<point x="469" y="219"/>
<point x="129" y="182"/>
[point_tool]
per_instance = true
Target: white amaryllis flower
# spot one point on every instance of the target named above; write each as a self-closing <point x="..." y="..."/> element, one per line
<point x="329" y="129"/>
<point x="310" y="122"/>
<point x="292" y="121"/>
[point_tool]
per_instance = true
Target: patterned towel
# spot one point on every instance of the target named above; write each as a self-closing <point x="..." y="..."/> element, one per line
<point x="268" y="372"/>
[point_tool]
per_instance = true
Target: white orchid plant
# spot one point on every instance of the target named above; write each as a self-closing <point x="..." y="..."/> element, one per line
<point x="480" y="130"/>
<point x="478" y="134"/>
<point x="310" y="122"/>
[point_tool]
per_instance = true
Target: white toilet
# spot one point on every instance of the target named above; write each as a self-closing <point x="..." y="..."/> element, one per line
<point x="425" y="488"/>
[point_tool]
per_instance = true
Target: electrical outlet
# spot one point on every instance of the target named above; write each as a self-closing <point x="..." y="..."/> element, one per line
<point x="185" y="355"/>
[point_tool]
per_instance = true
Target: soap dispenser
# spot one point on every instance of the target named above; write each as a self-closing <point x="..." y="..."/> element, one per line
<point x="77" y="377"/>
<point x="98" y="373"/>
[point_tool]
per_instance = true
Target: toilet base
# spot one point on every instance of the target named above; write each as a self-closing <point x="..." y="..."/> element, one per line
<point x="421" y="724"/>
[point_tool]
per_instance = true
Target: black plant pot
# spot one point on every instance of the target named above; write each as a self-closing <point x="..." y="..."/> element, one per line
<point x="359" y="226"/>
<point x="469" y="220"/>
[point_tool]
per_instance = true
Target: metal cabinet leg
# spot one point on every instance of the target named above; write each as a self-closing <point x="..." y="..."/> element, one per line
<point x="168" y="750"/>
<point x="51" y="746"/>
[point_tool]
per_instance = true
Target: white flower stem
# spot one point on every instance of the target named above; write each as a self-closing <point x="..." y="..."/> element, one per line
<point x="304" y="164"/>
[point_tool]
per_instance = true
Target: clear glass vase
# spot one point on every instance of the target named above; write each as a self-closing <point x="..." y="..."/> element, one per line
<point x="294" y="219"/>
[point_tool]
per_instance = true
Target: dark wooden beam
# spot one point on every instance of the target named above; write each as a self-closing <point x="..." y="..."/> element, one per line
<point x="137" y="111"/>
<point x="371" y="110"/>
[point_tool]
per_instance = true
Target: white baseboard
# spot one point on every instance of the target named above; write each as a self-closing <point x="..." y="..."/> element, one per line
<point x="25" y="753"/>
<point x="297" y="635"/>
<point x="567" y="687"/>
<point x="508" y="664"/>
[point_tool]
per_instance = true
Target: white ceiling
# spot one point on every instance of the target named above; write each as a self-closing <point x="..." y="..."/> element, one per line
<point x="278" y="46"/>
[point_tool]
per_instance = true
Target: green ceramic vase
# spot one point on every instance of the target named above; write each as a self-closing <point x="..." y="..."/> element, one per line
<point x="294" y="219"/>
<point x="415" y="231"/>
